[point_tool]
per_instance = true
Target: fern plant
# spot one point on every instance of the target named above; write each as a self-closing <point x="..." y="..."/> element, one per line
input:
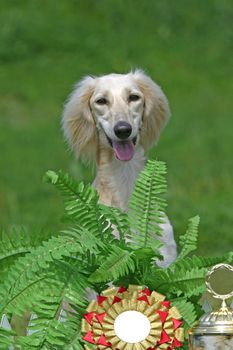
<point x="46" y="279"/>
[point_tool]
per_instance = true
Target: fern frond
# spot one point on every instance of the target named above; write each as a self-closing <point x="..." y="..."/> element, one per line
<point x="81" y="204"/>
<point x="53" y="335"/>
<point x="54" y="332"/>
<point x="117" y="264"/>
<point x="229" y="257"/>
<point x="49" y="329"/>
<point x="189" y="263"/>
<point x="77" y="344"/>
<point x="71" y="189"/>
<point x="147" y="207"/>
<point x="188" y="241"/>
<point x="27" y="268"/>
<point x="188" y="312"/>
<point x="6" y="338"/>
<point x="118" y="218"/>
<point x="87" y="240"/>
<point x="75" y="341"/>
<point x="185" y="276"/>
<point x="75" y="280"/>
<point x="15" y="244"/>
<point x="47" y="274"/>
<point x="20" y="241"/>
<point x="182" y="282"/>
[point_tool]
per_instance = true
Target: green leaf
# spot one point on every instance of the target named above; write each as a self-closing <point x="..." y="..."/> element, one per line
<point x="85" y="238"/>
<point x="179" y="282"/>
<point x="51" y="331"/>
<point x="189" y="315"/>
<point x="27" y="268"/>
<point x="17" y="243"/>
<point x="51" y="177"/>
<point x="6" y="338"/>
<point x="118" y="218"/>
<point x="188" y="241"/>
<point x="81" y="204"/>
<point x="48" y="275"/>
<point x="147" y="207"/>
<point x="117" y="264"/>
<point x="185" y="276"/>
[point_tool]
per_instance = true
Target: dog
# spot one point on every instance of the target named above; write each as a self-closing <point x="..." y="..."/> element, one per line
<point x="114" y="119"/>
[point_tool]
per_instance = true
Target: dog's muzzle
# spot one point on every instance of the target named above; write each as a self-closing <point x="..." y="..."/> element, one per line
<point x="122" y="130"/>
<point x="124" y="147"/>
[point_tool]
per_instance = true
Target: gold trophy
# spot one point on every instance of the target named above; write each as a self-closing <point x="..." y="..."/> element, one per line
<point x="214" y="330"/>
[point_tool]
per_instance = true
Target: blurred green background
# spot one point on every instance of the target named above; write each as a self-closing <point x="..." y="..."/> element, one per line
<point x="185" y="46"/>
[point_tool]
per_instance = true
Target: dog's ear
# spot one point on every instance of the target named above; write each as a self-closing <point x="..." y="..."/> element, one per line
<point x="78" y="122"/>
<point x="156" y="109"/>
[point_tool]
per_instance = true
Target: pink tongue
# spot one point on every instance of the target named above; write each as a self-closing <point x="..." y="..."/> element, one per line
<point x="124" y="150"/>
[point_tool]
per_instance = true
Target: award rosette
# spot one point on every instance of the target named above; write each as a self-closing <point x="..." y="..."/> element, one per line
<point x="115" y="313"/>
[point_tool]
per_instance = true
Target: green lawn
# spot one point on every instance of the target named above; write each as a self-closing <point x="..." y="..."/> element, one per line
<point x="186" y="46"/>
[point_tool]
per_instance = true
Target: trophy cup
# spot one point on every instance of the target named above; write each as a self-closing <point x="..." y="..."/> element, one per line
<point x="214" y="330"/>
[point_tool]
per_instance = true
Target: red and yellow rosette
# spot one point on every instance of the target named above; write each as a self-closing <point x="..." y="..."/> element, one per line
<point x="165" y="321"/>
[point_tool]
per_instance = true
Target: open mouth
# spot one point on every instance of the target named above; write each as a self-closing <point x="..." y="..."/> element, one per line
<point x="123" y="150"/>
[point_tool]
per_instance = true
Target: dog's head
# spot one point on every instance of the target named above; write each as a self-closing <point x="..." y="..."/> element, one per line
<point x="118" y="111"/>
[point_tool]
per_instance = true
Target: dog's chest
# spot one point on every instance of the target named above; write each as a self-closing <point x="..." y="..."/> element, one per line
<point x="123" y="176"/>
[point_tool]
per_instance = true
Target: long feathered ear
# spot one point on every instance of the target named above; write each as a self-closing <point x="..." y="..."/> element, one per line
<point x="78" y="122"/>
<point x="156" y="109"/>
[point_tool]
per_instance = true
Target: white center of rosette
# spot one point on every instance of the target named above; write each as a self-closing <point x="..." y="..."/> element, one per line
<point x="132" y="326"/>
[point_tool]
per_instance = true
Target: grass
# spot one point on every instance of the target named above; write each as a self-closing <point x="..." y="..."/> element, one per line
<point x="45" y="46"/>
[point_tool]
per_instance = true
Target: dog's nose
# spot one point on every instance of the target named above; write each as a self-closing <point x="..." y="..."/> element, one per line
<point x="122" y="130"/>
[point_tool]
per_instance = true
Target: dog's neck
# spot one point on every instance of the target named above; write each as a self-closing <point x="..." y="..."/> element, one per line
<point x="115" y="179"/>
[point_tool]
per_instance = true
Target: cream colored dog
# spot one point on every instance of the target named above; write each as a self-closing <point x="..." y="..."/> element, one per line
<point x="114" y="119"/>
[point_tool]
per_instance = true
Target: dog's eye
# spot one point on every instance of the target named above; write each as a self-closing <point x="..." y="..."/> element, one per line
<point x="101" y="101"/>
<point x="133" y="97"/>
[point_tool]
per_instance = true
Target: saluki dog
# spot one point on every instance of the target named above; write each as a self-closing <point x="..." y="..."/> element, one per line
<point x="114" y="119"/>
